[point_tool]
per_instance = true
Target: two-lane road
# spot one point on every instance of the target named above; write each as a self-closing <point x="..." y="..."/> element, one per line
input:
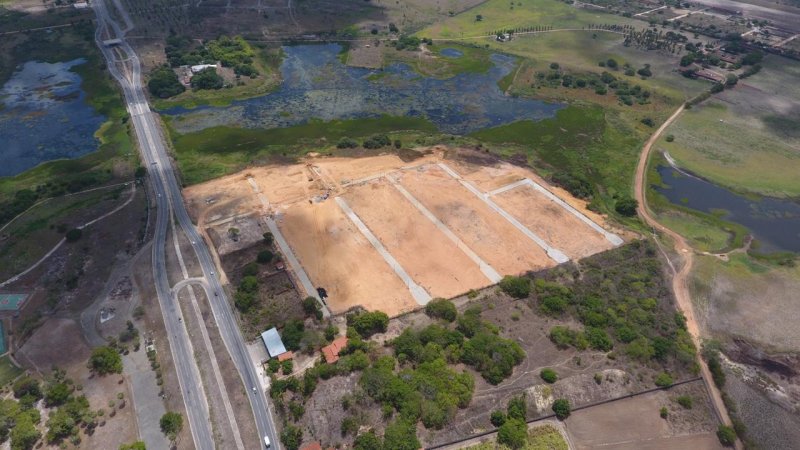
<point x="124" y="65"/>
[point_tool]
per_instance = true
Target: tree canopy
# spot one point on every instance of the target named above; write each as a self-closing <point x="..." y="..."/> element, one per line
<point x="105" y="360"/>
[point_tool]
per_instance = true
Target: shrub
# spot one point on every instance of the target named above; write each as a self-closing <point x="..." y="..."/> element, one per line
<point x="612" y="63"/>
<point x="517" y="287"/>
<point x="311" y="307"/>
<point x="685" y="401"/>
<point x="626" y="206"/>
<point x="347" y="142"/>
<point x="663" y="380"/>
<point x="492" y="356"/>
<point x="715" y="367"/>
<point x="648" y="121"/>
<point x="645" y="71"/>
<point x="291" y="437"/>
<point x="517" y="409"/>
<point x="441" y="309"/>
<point x="726" y="435"/>
<point x="368" y="323"/>
<point x="554" y="66"/>
<point x="287" y="367"/>
<point x="513" y="433"/>
<point x="598" y="339"/>
<point x="377" y="141"/>
<point x="207" y="79"/>
<point x="670" y="138"/>
<point x="549" y="375"/>
<point x="562" y="408"/>
<point x="171" y="424"/>
<point x="73" y="235"/>
<point x="663" y="412"/>
<point x="498" y="418"/>
<point x="367" y="441"/>
<point x="264" y="256"/>
<point x="250" y="270"/>
<point x="105" y="360"/>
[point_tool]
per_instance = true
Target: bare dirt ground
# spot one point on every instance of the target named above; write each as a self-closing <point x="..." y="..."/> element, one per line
<point x="444" y="271"/>
<point x="493" y="238"/>
<point x="633" y="424"/>
<point x="338" y="257"/>
<point x="40" y="352"/>
<point x="552" y="222"/>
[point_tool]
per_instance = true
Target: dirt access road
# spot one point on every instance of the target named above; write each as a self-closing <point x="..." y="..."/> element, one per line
<point x="680" y="277"/>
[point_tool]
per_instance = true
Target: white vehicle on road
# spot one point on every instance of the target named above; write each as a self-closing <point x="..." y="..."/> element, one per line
<point x="266" y="441"/>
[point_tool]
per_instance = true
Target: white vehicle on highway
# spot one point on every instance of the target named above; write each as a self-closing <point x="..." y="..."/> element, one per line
<point x="266" y="441"/>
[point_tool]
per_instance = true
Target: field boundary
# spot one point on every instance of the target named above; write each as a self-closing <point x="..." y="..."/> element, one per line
<point x="577" y="408"/>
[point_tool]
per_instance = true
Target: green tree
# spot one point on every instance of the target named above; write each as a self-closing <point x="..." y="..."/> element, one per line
<point x="292" y="437"/>
<point x="498" y="418"/>
<point x="549" y="375"/>
<point x="171" y="424"/>
<point x="73" y="234"/>
<point x="517" y="287"/>
<point x="513" y="433"/>
<point x="138" y="445"/>
<point x="401" y="435"/>
<point x="626" y="206"/>
<point x="207" y="79"/>
<point x="368" y="441"/>
<point x="24" y="434"/>
<point x="562" y="408"/>
<point x="442" y="309"/>
<point x="27" y="385"/>
<point x="726" y="435"/>
<point x="369" y="323"/>
<point x="57" y="394"/>
<point x="264" y="256"/>
<point x="164" y="83"/>
<point x="105" y="360"/>
<point x="663" y="380"/>
<point x="311" y="307"/>
<point x="517" y="409"/>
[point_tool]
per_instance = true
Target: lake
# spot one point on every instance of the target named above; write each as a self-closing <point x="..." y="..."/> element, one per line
<point x="316" y="85"/>
<point x="44" y="116"/>
<point x="775" y="223"/>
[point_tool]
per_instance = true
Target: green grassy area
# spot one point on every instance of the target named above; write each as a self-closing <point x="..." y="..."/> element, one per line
<point x="583" y="141"/>
<point x="267" y="62"/>
<point x="218" y="151"/>
<point x="737" y="142"/>
<point x="502" y="14"/>
<point x="115" y="158"/>
<point x="474" y="59"/>
<point x="8" y="370"/>
<point x="41" y="227"/>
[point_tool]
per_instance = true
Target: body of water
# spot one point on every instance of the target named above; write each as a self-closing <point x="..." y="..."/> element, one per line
<point x="44" y="116"/>
<point x="451" y="53"/>
<point x="775" y="223"/>
<point x="316" y="85"/>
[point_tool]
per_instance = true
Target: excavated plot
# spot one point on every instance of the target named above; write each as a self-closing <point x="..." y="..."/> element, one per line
<point x="337" y="257"/>
<point x="487" y="233"/>
<point x="426" y="254"/>
<point x="551" y="222"/>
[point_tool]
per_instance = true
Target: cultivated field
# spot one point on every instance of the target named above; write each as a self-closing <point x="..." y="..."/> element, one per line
<point x="388" y="234"/>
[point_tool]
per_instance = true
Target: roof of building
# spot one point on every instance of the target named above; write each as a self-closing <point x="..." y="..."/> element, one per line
<point x="272" y="340"/>
<point x="285" y="356"/>
<point x="313" y="446"/>
<point x="331" y="352"/>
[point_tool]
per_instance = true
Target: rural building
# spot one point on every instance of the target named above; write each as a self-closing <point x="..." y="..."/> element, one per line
<point x="273" y="343"/>
<point x="80" y="5"/>
<point x="200" y="67"/>
<point x="331" y="352"/>
<point x="312" y="446"/>
<point x="285" y="356"/>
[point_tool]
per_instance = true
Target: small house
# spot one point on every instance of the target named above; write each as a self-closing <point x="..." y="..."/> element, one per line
<point x="273" y="343"/>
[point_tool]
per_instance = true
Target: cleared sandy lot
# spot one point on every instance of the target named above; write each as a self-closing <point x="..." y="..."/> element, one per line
<point x="553" y="223"/>
<point x="632" y="424"/>
<point x="491" y="236"/>
<point x="427" y="255"/>
<point x="388" y="233"/>
<point x="337" y="257"/>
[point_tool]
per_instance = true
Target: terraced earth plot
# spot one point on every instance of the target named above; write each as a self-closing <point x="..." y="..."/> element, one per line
<point x="390" y="235"/>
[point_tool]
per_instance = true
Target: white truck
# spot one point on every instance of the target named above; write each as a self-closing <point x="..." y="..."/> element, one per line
<point x="266" y="441"/>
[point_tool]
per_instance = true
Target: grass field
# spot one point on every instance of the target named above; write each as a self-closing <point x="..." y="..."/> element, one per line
<point x="37" y="231"/>
<point x="8" y="371"/>
<point x="475" y="59"/>
<point x="218" y="151"/>
<point x="582" y="140"/>
<point x="543" y="437"/>
<point x="746" y="139"/>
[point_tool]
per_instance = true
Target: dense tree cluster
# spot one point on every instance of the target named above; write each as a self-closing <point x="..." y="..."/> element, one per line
<point x="232" y="52"/>
<point x="368" y="323"/>
<point x="621" y="298"/>
<point x="164" y="83"/>
<point x="207" y="78"/>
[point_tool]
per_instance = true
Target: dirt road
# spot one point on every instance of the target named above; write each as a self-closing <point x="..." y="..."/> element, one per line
<point x="680" y="277"/>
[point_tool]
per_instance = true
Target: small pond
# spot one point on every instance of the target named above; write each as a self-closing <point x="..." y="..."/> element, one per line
<point x="451" y="53"/>
<point x="775" y="223"/>
<point x="44" y="116"/>
<point x="316" y="85"/>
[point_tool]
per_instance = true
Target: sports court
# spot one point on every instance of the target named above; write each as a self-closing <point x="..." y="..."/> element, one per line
<point x="12" y="302"/>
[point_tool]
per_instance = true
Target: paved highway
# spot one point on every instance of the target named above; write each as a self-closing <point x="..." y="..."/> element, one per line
<point x="124" y="65"/>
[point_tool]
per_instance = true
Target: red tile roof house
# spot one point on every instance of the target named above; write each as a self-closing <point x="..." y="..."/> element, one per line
<point x="331" y="352"/>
